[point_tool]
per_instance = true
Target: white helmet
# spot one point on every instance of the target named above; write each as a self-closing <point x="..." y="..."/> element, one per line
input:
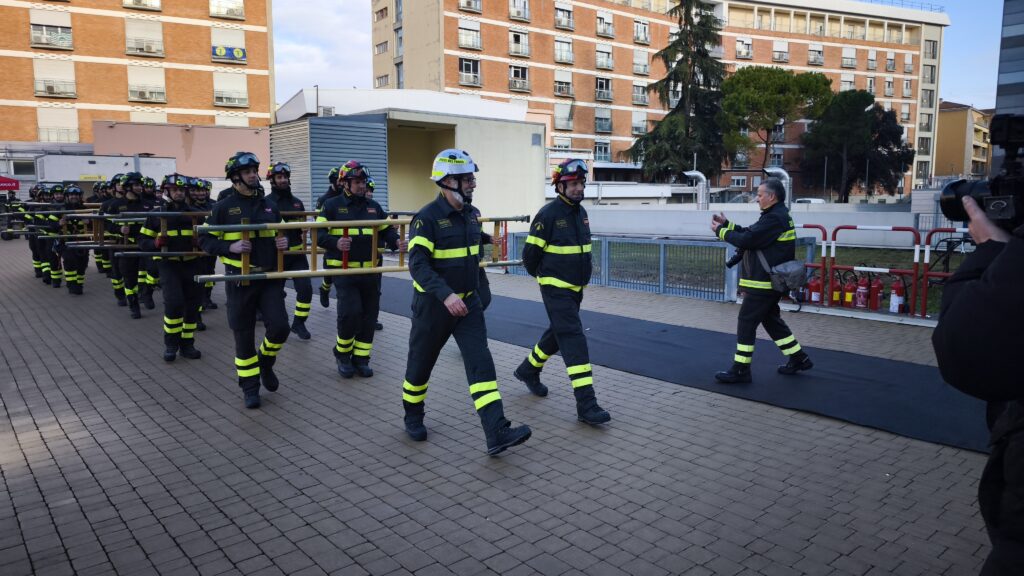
<point x="452" y="162"/>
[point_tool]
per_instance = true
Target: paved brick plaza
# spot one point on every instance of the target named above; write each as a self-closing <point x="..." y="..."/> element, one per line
<point x="114" y="462"/>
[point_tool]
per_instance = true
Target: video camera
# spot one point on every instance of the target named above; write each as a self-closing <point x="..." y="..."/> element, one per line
<point x="1002" y="197"/>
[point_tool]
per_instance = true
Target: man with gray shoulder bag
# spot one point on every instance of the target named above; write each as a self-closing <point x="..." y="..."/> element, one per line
<point x="769" y="270"/>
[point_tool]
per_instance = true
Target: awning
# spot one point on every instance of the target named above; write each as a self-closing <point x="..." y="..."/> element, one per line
<point x="9" y="184"/>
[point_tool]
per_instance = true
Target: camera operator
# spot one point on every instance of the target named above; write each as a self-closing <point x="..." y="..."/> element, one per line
<point x="976" y="343"/>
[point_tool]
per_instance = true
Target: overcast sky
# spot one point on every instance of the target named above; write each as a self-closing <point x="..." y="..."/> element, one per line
<point x="327" y="42"/>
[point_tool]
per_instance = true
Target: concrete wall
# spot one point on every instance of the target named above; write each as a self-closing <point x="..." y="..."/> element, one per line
<point x="200" y="151"/>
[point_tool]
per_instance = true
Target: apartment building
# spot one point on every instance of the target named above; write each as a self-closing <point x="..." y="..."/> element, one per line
<point x="890" y="48"/>
<point x="69" y="63"/>
<point x="962" y="147"/>
<point x="581" y="67"/>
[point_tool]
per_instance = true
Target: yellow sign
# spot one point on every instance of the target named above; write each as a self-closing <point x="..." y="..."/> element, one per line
<point x="90" y="177"/>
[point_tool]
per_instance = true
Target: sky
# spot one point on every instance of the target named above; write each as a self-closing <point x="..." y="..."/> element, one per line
<point x="327" y="42"/>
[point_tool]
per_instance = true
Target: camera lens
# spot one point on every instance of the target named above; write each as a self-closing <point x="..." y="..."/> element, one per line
<point x="951" y="197"/>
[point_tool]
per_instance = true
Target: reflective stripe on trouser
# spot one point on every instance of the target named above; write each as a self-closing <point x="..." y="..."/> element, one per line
<point x="182" y="298"/>
<point x="188" y="331"/>
<point x="538" y="357"/>
<point x="358" y="307"/>
<point x="266" y="296"/>
<point x="302" y="309"/>
<point x="581" y="375"/>
<point x="414" y="394"/>
<point x="564" y="334"/>
<point x="270" y="349"/>
<point x="763" y="309"/>
<point x="344" y="346"/>
<point x="483" y="393"/>
<point x="247" y="367"/>
<point x="362" y="349"/>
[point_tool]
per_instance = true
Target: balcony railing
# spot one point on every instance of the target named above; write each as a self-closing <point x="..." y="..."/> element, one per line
<point x="602" y="124"/>
<point x="563" y="89"/>
<point x="741" y="161"/>
<point x="51" y="37"/>
<point x="469" y="78"/>
<point x="603" y="95"/>
<point x="470" y="5"/>
<point x="563" y="56"/>
<point x="519" y="84"/>
<point x="849" y="62"/>
<point x="908" y="68"/>
<point x="55" y="88"/>
<point x="641" y="98"/>
<point x="602" y="155"/>
<point x="142" y="4"/>
<point x="469" y="39"/>
<point x="815" y="59"/>
<point x="872" y="64"/>
<point x="563" y="123"/>
<point x="639" y="129"/>
<point x="927" y="101"/>
<point x="518" y="49"/>
<point x="778" y="56"/>
<point x="775" y="161"/>
<point x="606" y="29"/>
<point x="149" y="93"/>
<point x="925" y="126"/>
<point x="908" y="93"/>
<point x="641" y="68"/>
<point x="231" y="10"/>
<point x="889" y="92"/>
<point x="52" y="134"/>
<point x="744" y="53"/>
<point x="605" y="61"/>
<point x="905" y="117"/>
<point x="642" y="37"/>
<point x="890" y="65"/>
<point x="234" y="98"/>
<point x="521" y="14"/>
<point x="145" y="47"/>
<point x="564" y="22"/>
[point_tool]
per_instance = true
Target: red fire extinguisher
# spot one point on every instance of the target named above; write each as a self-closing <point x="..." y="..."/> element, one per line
<point x="837" y="287"/>
<point x="815" y="287"/>
<point x="860" y="296"/>
<point x="875" y="295"/>
<point x="849" y="289"/>
<point x="898" y="296"/>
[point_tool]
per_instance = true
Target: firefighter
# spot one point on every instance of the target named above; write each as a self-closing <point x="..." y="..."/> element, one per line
<point x="358" y="296"/>
<point x="774" y="235"/>
<point x="182" y="296"/>
<point x="557" y="253"/>
<point x="245" y="201"/>
<point x="332" y="192"/>
<point x="444" y="260"/>
<point x="280" y="177"/>
<point x="34" y="194"/>
<point x="199" y="200"/>
<point x="50" y="244"/>
<point x="110" y="235"/>
<point x="371" y="185"/>
<point x="75" y="261"/>
<point x="127" y="270"/>
<point x="149" y="270"/>
<point x="100" y="194"/>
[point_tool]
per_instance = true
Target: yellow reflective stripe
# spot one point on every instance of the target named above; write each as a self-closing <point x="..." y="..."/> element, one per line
<point x="266" y="233"/>
<point x="552" y="281"/>
<point x="483" y="386"/>
<point x="414" y="388"/>
<point x="456" y="252"/>
<point x="486" y="399"/>
<point x="540" y="353"/>
<point x="534" y="362"/>
<point x="147" y="231"/>
<point x="364" y="345"/>
<point x="551" y="249"/>
<point x="786" y="236"/>
<point x="421" y="241"/>
<point x="247" y="367"/>
<point x="578" y="369"/>
<point x="351" y="231"/>
<point x="743" y="359"/>
<point x="721" y="232"/>
<point x="785" y="340"/>
<point x="755" y="284"/>
<point x="383" y="227"/>
<point x="539" y="242"/>
<point x="419" y="288"/>
<point x="231" y="261"/>
<point x="217" y="233"/>
<point x="175" y="232"/>
<point x="792" y="350"/>
<point x="413" y="399"/>
<point x="745" y="347"/>
<point x="303" y="305"/>
<point x="321" y="219"/>
<point x="296" y="247"/>
<point x="731" y="226"/>
<point x="581" y="382"/>
<point x="173" y="321"/>
<point x="351" y="263"/>
<point x="169" y="330"/>
<point x="231" y="236"/>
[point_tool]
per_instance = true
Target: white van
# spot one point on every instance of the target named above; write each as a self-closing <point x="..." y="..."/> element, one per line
<point x="809" y="201"/>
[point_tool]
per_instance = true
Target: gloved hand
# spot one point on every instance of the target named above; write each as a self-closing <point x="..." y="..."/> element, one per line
<point x="161" y="241"/>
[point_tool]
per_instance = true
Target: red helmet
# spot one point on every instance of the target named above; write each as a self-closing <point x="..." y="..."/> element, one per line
<point x="572" y="169"/>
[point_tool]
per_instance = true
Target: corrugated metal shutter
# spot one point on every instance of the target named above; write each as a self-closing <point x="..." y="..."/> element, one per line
<point x="334" y="141"/>
<point x="289" y="142"/>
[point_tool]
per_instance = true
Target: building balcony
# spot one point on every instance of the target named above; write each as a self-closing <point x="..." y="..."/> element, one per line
<point x="55" y="88"/>
<point x="744" y="54"/>
<point x="603" y="95"/>
<point x="924" y="126"/>
<point x="469" y="78"/>
<point x="229" y="10"/>
<point x="144" y="47"/>
<point x="605" y="62"/>
<point x="849" y="63"/>
<point x="888" y="92"/>
<point x="872" y="64"/>
<point x="603" y="125"/>
<point x="890" y="65"/>
<point x="149" y="94"/>
<point x="641" y="98"/>
<point x="639" y="129"/>
<point x="521" y="14"/>
<point x="565" y="22"/>
<point x="778" y="56"/>
<point x="519" y="50"/>
<point x="816" y="59"/>
<point x="470" y="41"/>
<point x="142" y="4"/>
<point x="905" y="117"/>
<point x="53" y="134"/>
<point x="564" y="89"/>
<point x="908" y="68"/>
<point x="605" y="29"/>
<point x="908" y="94"/>
<point x="563" y="123"/>
<point x="519" y="84"/>
<point x="49" y="37"/>
<point x="603" y="156"/>
<point x="564" y="56"/>
<point x="471" y="6"/>
<point x="231" y="98"/>
<point x="641" y="38"/>
<point x="641" y="68"/>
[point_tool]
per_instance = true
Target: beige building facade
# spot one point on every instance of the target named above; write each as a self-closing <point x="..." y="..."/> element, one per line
<point x="963" y="148"/>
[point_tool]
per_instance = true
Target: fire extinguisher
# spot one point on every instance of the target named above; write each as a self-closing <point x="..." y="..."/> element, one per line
<point x="875" y="295"/>
<point x="898" y="296"/>
<point x="849" y="289"/>
<point x="837" y="287"/>
<point x="860" y="296"/>
<point x="815" y="287"/>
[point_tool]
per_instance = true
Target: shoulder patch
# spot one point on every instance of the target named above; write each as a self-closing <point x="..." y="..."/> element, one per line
<point x="444" y="223"/>
<point x="561" y="223"/>
<point x="342" y="210"/>
<point x="538" y="226"/>
<point x="234" y="211"/>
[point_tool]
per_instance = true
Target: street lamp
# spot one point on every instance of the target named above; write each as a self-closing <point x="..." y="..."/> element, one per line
<point x="781" y="174"/>
<point x="702" y="190"/>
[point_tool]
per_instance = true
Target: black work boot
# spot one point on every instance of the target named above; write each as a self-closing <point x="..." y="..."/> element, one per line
<point x="738" y="374"/>
<point x="299" y="328"/>
<point x="499" y="431"/>
<point x="378" y="326"/>
<point x="200" y="325"/>
<point x="414" y="421"/>
<point x="325" y="297"/>
<point x="797" y="362"/>
<point x="170" y="353"/>
<point x="209" y="304"/>
<point x="133" y="305"/>
<point x="362" y="366"/>
<point x="267" y="376"/>
<point x="39" y="273"/>
<point x="146" y="297"/>
<point x="587" y="409"/>
<point x="530" y="376"/>
<point x="252" y="398"/>
<point x="188" y="350"/>
<point x="46" y="278"/>
<point x="55" y="283"/>
<point x="345" y="367"/>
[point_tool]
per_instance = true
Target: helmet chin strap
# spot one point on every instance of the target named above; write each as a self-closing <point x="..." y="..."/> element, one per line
<point x="461" y="196"/>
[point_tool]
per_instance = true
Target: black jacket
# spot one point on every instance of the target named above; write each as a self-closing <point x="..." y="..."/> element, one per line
<point x="444" y="249"/>
<point x="332" y="192"/>
<point x="179" y="232"/>
<point x="558" y="249"/>
<point x="232" y="210"/>
<point x="346" y="207"/>
<point x="118" y="206"/>
<point x="284" y="201"/>
<point x="774" y="234"/>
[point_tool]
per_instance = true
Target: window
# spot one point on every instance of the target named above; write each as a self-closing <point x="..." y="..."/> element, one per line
<point x="563" y="116"/>
<point x="469" y="72"/>
<point x="926" y="122"/>
<point x="382" y="81"/>
<point x="908" y="63"/>
<point x="142" y="4"/>
<point x="639" y="123"/>
<point x="57" y="124"/>
<point x="563" y="83"/>
<point x="888" y="86"/>
<point x="871" y="84"/>
<point x="927" y="98"/>
<point x="228" y="45"/>
<point x="872" y="60"/>
<point x="469" y="34"/>
<point x="755" y="182"/>
<point x="381" y="14"/>
<point x="518" y="78"/>
<point x="233" y="9"/>
<point x="23" y="167"/>
<point x="563" y="16"/>
<point x="931" y="49"/>
<point x="744" y="48"/>
<point x="54" y="78"/>
<point x="381" y="48"/>
<point x="924" y="169"/>
<point x="641" y="32"/>
<point x="846" y="82"/>
<point x="399" y="76"/>
<point x="563" y="50"/>
<point x="816" y="55"/>
<point x="849" y="57"/>
<point x="738" y="182"/>
<point x="908" y="86"/>
<point x="518" y="43"/>
<point x="602" y="151"/>
<point x="778" y="132"/>
<point x="519" y="10"/>
<point x="604" y="57"/>
<point x="744" y="131"/>
<point x="230" y="90"/>
<point x="399" y="44"/>
<point x="928" y="74"/>
<point x="562" y="143"/>
<point x="780" y="51"/>
<point x="398" y="11"/>
<point x="640" y="96"/>
<point x="147" y="84"/>
<point x="775" y="159"/>
<point x="50" y="29"/>
<point x="890" y="62"/>
<point x="641" y="62"/>
<point x="603" y="89"/>
<point x="904" y="112"/>
<point x="602" y="120"/>
<point x="605" y="24"/>
<point x="741" y="160"/>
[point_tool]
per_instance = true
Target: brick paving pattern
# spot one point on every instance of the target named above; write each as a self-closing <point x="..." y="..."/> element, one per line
<point x="114" y="462"/>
